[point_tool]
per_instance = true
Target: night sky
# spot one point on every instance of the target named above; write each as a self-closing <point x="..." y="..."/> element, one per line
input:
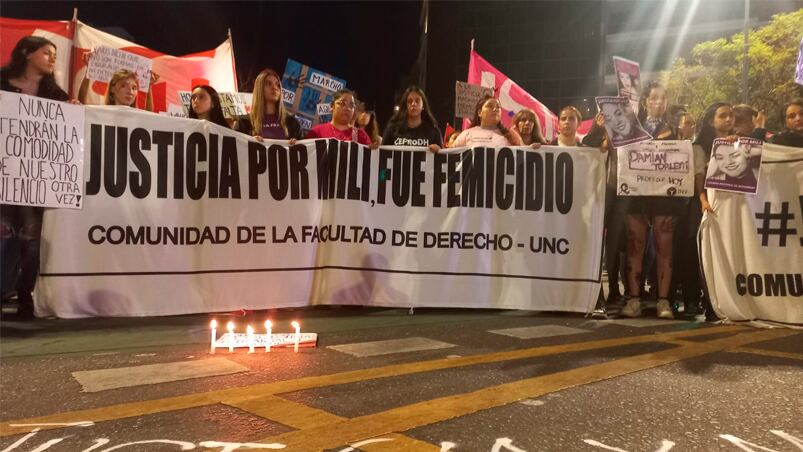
<point x="373" y="45"/>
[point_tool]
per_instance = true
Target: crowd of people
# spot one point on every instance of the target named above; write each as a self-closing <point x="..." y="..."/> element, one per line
<point x="649" y="240"/>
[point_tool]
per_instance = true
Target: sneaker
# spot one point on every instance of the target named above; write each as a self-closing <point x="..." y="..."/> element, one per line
<point x="632" y="308"/>
<point x="664" y="310"/>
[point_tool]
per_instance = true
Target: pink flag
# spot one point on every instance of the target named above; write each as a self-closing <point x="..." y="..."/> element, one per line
<point x="213" y="67"/>
<point x="512" y="97"/>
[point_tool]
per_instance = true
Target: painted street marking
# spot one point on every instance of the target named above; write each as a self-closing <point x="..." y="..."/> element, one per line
<point x="534" y="332"/>
<point x="231" y="395"/>
<point x="765" y="352"/>
<point x="389" y="347"/>
<point x="642" y="323"/>
<point x="443" y="408"/>
<point x="531" y="402"/>
<point x="123" y="377"/>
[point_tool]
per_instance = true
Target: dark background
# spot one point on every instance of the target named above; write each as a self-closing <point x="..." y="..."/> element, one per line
<point x="556" y="50"/>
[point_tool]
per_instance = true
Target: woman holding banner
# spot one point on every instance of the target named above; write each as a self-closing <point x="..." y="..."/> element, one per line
<point x="568" y="121"/>
<point x="343" y="107"/>
<point x="205" y="104"/>
<point x="413" y="124"/>
<point x="488" y="129"/>
<point x="526" y="123"/>
<point x="269" y="119"/>
<point x="30" y="72"/>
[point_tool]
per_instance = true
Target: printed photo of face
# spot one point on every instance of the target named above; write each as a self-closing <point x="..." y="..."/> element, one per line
<point x="617" y="119"/>
<point x="730" y="160"/>
<point x="624" y="81"/>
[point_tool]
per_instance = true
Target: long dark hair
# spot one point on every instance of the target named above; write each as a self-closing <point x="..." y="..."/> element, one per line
<point x="475" y="121"/>
<point x="707" y="134"/>
<point x="19" y="62"/>
<point x="216" y="112"/>
<point x="399" y="118"/>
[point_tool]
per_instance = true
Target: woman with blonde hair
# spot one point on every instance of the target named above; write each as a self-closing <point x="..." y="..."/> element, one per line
<point x="121" y="90"/>
<point x="269" y="118"/>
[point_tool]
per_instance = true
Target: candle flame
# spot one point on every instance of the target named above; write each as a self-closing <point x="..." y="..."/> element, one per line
<point x="250" y="330"/>
<point x="268" y="324"/>
<point x="295" y="324"/>
<point x="230" y="326"/>
<point x="213" y="324"/>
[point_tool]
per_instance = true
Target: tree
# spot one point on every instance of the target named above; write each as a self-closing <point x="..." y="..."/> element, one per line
<point x="714" y="72"/>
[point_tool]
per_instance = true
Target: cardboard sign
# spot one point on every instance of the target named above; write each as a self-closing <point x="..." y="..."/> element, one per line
<point x="466" y="98"/>
<point x="105" y="61"/>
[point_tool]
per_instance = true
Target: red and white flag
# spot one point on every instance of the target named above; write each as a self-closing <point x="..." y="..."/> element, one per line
<point x="60" y="32"/>
<point x="512" y="97"/>
<point x="213" y="67"/>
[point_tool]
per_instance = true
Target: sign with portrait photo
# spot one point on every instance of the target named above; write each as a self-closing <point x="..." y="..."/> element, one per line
<point x="620" y="121"/>
<point x="735" y="166"/>
<point x="628" y="80"/>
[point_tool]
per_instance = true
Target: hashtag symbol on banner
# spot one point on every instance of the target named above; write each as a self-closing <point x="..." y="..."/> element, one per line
<point x="767" y="218"/>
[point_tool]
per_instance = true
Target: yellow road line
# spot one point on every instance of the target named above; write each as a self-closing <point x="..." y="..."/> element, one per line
<point x="441" y="409"/>
<point x="763" y="352"/>
<point x="233" y="395"/>
<point x="300" y="416"/>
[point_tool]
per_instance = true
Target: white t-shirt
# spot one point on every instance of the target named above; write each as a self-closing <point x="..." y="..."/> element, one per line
<point x="479" y="136"/>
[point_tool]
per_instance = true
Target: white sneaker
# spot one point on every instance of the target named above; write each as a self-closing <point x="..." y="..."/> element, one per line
<point x="664" y="310"/>
<point x="632" y="308"/>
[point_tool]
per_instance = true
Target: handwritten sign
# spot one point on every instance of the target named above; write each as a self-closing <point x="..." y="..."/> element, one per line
<point x="42" y="160"/>
<point x="305" y="90"/>
<point x="466" y="98"/>
<point x="106" y="61"/>
<point x="233" y="105"/>
<point x="656" y="168"/>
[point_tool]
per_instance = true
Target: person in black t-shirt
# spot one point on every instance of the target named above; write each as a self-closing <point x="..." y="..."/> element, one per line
<point x="29" y="72"/>
<point x="413" y="123"/>
<point x="792" y="117"/>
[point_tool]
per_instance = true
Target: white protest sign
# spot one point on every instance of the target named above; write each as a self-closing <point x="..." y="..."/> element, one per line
<point x="466" y="98"/>
<point x="105" y="61"/>
<point x="42" y="160"/>
<point x="324" y="109"/>
<point x="186" y="100"/>
<point x="656" y="168"/>
<point x="232" y="104"/>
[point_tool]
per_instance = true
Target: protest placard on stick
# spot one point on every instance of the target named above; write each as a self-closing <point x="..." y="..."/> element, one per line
<point x="466" y="97"/>
<point x="42" y="161"/>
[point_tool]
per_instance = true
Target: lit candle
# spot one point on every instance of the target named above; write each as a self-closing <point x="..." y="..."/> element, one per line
<point x="250" y="339"/>
<point x="213" y="325"/>
<point x="298" y="334"/>
<point x="269" y="327"/>
<point x="230" y="327"/>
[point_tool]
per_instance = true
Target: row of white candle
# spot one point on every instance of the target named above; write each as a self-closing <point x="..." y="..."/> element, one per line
<point x="250" y="331"/>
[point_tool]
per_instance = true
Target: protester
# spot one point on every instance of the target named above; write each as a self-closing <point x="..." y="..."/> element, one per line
<point x="30" y="72"/>
<point x="343" y="105"/>
<point x="452" y="138"/>
<point x="652" y="211"/>
<point x="717" y="122"/>
<point x="615" y="209"/>
<point x="366" y="120"/>
<point x="269" y="118"/>
<point x="568" y="121"/>
<point x="205" y="104"/>
<point x="488" y="129"/>
<point x="792" y="118"/>
<point x="652" y="113"/>
<point x="413" y="124"/>
<point x="748" y="122"/>
<point x="122" y="88"/>
<point x="526" y="123"/>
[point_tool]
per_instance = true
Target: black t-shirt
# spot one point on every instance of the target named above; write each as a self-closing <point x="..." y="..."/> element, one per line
<point x="53" y="93"/>
<point x="788" y="138"/>
<point x="401" y="135"/>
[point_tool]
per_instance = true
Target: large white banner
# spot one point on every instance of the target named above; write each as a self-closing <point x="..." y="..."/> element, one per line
<point x="751" y="245"/>
<point x="42" y="151"/>
<point x="184" y="216"/>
